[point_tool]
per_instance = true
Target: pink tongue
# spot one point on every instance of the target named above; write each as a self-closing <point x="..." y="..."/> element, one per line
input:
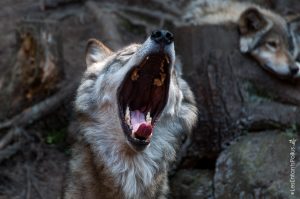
<point x="139" y="125"/>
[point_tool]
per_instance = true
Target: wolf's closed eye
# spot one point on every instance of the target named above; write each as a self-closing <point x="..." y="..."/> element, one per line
<point x="272" y="44"/>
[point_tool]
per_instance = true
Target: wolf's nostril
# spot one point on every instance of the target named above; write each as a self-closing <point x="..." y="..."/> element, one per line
<point x="156" y="34"/>
<point x="162" y="37"/>
<point x="294" y="71"/>
<point x="169" y="36"/>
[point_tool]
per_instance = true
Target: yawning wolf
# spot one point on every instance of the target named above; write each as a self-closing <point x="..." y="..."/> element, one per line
<point x="132" y="106"/>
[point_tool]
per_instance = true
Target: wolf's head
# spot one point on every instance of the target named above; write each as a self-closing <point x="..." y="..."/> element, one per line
<point x="265" y="36"/>
<point x="128" y="96"/>
<point x="129" y="99"/>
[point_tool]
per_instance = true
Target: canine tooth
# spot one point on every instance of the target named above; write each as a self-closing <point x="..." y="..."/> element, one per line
<point x="147" y="57"/>
<point x="127" y="111"/>
<point x="148" y="117"/>
<point x="167" y="58"/>
<point x="134" y="75"/>
<point x="127" y="116"/>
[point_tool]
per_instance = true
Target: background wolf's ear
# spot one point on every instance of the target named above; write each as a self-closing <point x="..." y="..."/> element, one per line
<point x="251" y="21"/>
<point x="292" y="17"/>
<point x="294" y="30"/>
<point x="252" y="26"/>
<point x="294" y="23"/>
<point x="95" y="52"/>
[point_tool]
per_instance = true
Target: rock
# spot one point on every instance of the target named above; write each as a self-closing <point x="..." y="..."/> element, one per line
<point x="258" y="166"/>
<point x="192" y="184"/>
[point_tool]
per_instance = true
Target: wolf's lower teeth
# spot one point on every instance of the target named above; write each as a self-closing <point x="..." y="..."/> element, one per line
<point x="148" y="117"/>
<point x="127" y="116"/>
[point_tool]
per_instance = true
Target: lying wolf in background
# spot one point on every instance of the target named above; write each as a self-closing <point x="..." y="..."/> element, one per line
<point x="264" y="35"/>
<point x="132" y="106"/>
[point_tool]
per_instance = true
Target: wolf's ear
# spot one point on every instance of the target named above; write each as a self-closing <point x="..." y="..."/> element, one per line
<point x="251" y="21"/>
<point x="294" y="31"/>
<point x="292" y="18"/>
<point x="252" y="26"/>
<point x="294" y="23"/>
<point x="95" y="52"/>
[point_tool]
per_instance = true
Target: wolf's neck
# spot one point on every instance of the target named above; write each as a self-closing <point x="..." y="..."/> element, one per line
<point x="135" y="172"/>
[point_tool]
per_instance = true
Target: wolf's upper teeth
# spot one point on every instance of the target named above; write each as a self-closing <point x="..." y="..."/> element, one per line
<point x="162" y="66"/>
<point x="144" y="62"/>
<point x="167" y="58"/>
<point x="148" y="117"/>
<point x="159" y="82"/>
<point x="134" y="75"/>
<point x="162" y="77"/>
<point x="127" y="116"/>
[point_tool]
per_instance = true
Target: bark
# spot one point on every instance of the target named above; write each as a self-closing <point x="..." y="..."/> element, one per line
<point x="52" y="4"/>
<point x="109" y="23"/>
<point x="43" y="108"/>
<point x="37" y="69"/>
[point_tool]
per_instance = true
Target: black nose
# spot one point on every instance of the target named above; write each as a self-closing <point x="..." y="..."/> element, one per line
<point x="294" y="70"/>
<point x="162" y="37"/>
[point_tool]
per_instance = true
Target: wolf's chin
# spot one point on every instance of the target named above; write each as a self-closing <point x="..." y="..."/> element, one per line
<point x="142" y="97"/>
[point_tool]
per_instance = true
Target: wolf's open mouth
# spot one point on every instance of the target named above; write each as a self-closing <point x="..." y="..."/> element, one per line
<point x="142" y="97"/>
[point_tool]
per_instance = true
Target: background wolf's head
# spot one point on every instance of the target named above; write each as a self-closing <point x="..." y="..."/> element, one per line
<point x="266" y="37"/>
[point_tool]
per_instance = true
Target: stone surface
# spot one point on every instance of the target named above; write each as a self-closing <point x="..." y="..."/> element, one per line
<point x="258" y="166"/>
<point x="192" y="184"/>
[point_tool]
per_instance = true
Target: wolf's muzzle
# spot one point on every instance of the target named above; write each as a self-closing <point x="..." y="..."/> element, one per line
<point x="162" y="37"/>
<point x="144" y="91"/>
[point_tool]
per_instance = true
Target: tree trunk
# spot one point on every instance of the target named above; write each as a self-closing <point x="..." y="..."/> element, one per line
<point x="38" y="67"/>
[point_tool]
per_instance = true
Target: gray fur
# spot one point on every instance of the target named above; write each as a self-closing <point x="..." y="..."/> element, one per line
<point x="103" y="163"/>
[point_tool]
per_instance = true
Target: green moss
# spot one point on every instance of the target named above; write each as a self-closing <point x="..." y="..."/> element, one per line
<point x="256" y="94"/>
